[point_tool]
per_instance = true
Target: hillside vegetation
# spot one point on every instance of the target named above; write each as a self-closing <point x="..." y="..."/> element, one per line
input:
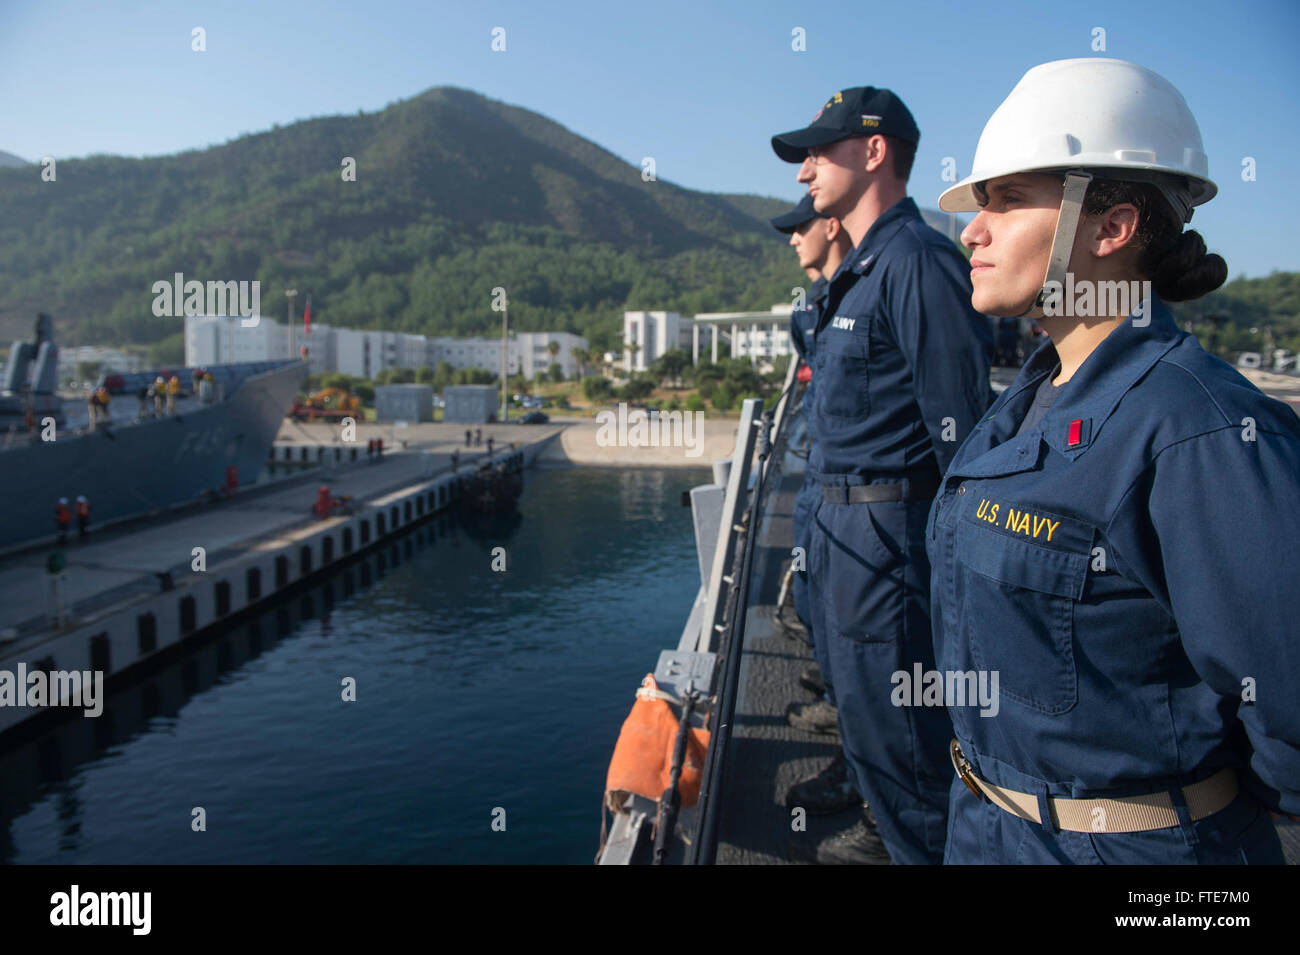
<point x="455" y="194"/>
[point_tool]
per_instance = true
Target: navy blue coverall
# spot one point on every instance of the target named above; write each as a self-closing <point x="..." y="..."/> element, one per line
<point x="901" y="367"/>
<point x="803" y="329"/>
<point x="1128" y="567"/>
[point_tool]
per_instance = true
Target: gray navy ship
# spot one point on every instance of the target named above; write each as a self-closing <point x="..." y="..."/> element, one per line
<point x="131" y="465"/>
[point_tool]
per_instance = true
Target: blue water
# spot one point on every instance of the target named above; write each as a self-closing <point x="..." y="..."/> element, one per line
<point x="477" y="691"/>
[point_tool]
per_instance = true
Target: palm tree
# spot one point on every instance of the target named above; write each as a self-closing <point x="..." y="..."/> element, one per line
<point x="582" y="357"/>
<point x="631" y="348"/>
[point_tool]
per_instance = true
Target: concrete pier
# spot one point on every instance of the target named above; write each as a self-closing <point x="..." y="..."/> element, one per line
<point x="132" y="592"/>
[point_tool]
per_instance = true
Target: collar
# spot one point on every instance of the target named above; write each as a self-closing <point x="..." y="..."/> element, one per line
<point x="1089" y="398"/>
<point x="890" y="222"/>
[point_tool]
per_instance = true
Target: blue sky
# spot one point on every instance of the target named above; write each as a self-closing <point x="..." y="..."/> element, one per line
<point x="698" y="86"/>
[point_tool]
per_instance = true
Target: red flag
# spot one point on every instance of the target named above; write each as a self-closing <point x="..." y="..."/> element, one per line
<point x="306" y="317"/>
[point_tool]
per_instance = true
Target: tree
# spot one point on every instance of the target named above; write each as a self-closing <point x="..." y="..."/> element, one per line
<point x="596" y="389"/>
<point x="631" y="348"/>
<point x="723" y="397"/>
<point x="670" y="364"/>
<point x="554" y="349"/>
<point x="556" y="372"/>
<point x="582" y="357"/>
<point x="169" y="351"/>
<point x="637" y="387"/>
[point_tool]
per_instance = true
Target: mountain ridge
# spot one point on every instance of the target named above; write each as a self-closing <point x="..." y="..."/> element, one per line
<point x="455" y="194"/>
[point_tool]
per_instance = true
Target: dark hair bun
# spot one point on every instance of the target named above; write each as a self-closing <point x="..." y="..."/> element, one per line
<point x="1186" y="271"/>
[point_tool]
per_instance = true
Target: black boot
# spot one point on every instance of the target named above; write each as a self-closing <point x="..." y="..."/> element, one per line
<point x="818" y="716"/>
<point x="827" y="793"/>
<point x="860" y="844"/>
<point x="789" y="626"/>
<point x="811" y="680"/>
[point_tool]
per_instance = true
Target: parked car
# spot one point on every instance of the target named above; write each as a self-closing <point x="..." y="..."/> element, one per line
<point x="534" y="417"/>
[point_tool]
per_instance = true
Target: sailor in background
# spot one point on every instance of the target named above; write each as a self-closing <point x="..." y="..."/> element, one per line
<point x="83" y="516"/>
<point x="62" y="520"/>
<point x="821" y="244"/>
<point x="902" y="366"/>
<point x="1117" y="537"/>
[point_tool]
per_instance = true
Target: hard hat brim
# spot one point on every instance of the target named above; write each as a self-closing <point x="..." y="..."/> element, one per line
<point x="961" y="197"/>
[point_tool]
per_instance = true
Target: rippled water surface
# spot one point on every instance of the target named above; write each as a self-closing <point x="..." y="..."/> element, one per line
<point x="477" y="691"/>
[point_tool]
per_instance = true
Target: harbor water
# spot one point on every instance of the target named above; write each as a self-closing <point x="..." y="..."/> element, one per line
<point x="487" y="701"/>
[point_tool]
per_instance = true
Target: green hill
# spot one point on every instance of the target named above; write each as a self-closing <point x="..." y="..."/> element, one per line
<point x="454" y="194"/>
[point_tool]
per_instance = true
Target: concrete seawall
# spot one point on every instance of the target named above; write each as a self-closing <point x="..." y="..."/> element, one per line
<point x="133" y="594"/>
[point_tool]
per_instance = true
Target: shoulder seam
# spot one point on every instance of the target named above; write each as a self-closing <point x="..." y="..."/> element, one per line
<point x="1227" y="426"/>
<point x="1165" y="359"/>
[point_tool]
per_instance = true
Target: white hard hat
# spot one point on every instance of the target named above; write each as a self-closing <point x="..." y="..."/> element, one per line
<point x="81" y="497"/>
<point x="1093" y="114"/>
<point x="63" y="500"/>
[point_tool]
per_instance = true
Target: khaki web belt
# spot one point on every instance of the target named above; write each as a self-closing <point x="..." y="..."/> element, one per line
<point x="1120" y="814"/>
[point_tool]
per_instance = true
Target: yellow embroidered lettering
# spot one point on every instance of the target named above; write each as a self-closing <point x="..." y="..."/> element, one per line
<point x="1051" y="529"/>
<point x="1023" y="526"/>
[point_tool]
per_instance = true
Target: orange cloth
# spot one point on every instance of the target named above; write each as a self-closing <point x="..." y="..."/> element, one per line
<point x="643" y="756"/>
<point x="61" y="514"/>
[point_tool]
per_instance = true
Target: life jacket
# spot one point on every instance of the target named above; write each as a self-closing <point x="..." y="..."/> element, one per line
<point x="174" y="386"/>
<point x="83" y="508"/>
<point x="643" y="756"/>
<point x="61" y="514"/>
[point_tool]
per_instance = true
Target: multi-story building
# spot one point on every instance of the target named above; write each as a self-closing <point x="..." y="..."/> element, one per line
<point x="759" y="336"/>
<point x="647" y="335"/>
<point x="211" y="341"/>
<point x="224" y="340"/>
<point x="108" y="359"/>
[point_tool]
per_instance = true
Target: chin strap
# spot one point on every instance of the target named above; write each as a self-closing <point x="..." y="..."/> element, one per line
<point x="1067" y="223"/>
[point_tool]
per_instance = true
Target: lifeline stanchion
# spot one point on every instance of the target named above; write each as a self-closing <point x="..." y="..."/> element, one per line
<point x="705" y="847"/>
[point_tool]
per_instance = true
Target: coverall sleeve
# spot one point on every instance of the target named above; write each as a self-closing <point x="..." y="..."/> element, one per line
<point x="948" y="345"/>
<point x="796" y="332"/>
<point x="1225" y="513"/>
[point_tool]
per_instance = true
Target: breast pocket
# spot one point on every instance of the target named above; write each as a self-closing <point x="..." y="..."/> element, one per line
<point x="1017" y="601"/>
<point x="842" y="390"/>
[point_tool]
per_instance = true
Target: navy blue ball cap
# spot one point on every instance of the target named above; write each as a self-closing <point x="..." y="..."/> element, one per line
<point x="787" y="222"/>
<point x="859" y="111"/>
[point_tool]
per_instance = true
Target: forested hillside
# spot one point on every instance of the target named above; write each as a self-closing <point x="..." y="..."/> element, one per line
<point x="454" y="195"/>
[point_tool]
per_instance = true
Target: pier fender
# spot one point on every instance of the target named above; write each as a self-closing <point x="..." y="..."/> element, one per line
<point x="643" y="756"/>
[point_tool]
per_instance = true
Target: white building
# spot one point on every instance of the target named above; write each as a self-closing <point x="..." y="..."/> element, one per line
<point x="758" y="336"/>
<point x="652" y="334"/>
<point x="109" y="359"/>
<point x="214" y="341"/>
<point x="224" y="340"/>
<point x="527" y="353"/>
